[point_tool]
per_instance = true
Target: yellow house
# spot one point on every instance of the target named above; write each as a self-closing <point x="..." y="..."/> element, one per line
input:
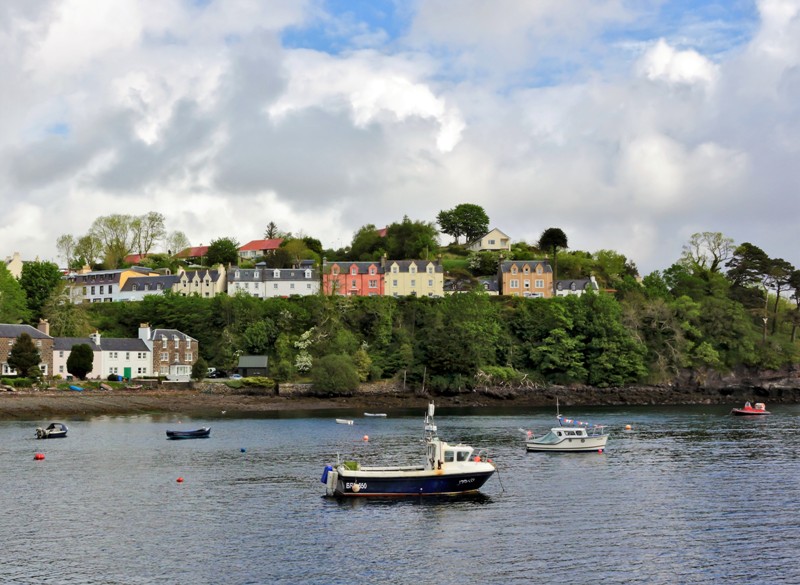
<point x="526" y="278"/>
<point x="420" y="278"/>
<point x="102" y="286"/>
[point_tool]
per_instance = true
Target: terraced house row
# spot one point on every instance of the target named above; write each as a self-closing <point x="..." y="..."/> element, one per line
<point x="155" y="352"/>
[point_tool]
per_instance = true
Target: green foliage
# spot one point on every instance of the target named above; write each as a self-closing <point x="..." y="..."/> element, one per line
<point x="335" y="374"/>
<point x="80" y="360"/>
<point x="223" y="251"/>
<point x="411" y="239"/>
<point x="67" y="319"/>
<point x="199" y="369"/>
<point x="484" y="263"/>
<point x="24" y="356"/>
<point x="367" y="244"/>
<point x="13" y="304"/>
<point x="39" y="280"/>
<point x="467" y="219"/>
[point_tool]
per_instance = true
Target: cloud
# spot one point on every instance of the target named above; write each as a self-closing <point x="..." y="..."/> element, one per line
<point x="628" y="125"/>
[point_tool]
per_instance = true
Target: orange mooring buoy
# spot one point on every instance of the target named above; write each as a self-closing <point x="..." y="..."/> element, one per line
<point x="38" y="456"/>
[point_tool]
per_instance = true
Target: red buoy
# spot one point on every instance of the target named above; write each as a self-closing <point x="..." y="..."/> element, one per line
<point x="179" y="480"/>
<point x="38" y="457"/>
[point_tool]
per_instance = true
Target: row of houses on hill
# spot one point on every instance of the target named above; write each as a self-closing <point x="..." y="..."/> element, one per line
<point x="155" y="352"/>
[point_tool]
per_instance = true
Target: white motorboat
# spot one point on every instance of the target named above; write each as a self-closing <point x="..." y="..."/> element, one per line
<point x="570" y="439"/>
<point x="344" y="421"/>
<point x="446" y="469"/>
<point x="379" y="414"/>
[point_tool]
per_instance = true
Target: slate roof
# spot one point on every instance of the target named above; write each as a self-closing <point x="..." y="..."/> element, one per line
<point x="13" y="331"/>
<point x="123" y="344"/>
<point x="252" y="361"/>
<point x="506" y="265"/>
<point x="362" y="267"/>
<point x="67" y="343"/>
<point x="421" y="265"/>
<point x="577" y="284"/>
<point x="165" y="281"/>
<point x="157" y="334"/>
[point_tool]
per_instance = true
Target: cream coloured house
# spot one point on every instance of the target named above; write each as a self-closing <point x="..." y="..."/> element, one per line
<point x="493" y="241"/>
<point x="421" y="278"/>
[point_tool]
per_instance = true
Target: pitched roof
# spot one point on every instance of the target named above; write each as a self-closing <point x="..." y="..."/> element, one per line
<point x="67" y="343"/>
<point x="252" y="361"/>
<point x="258" y="245"/>
<point x="194" y="252"/>
<point x="165" y="281"/>
<point x="157" y="334"/>
<point x="12" y="330"/>
<point x="404" y="265"/>
<point x="507" y="265"/>
<point x="123" y="344"/>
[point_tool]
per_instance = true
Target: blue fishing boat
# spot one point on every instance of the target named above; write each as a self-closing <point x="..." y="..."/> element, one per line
<point x="201" y="433"/>
<point x="446" y="470"/>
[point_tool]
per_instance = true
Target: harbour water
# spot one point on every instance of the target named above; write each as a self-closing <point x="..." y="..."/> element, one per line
<point x="689" y="495"/>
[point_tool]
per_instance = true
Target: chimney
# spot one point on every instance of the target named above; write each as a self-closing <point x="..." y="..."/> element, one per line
<point x="144" y="331"/>
<point x="95" y="337"/>
<point x="383" y="261"/>
<point x="44" y="326"/>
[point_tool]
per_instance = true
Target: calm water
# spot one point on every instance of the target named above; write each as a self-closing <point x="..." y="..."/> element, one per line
<point x="691" y="495"/>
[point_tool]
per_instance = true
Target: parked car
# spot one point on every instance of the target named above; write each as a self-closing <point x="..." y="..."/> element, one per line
<point x="217" y="374"/>
<point x="236" y="376"/>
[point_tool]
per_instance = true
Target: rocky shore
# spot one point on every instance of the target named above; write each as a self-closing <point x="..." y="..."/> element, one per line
<point x="208" y="400"/>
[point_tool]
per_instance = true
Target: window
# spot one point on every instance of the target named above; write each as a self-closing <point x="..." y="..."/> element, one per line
<point x="113" y="355"/>
<point x="430" y="282"/>
<point x="163" y="341"/>
<point x="491" y="242"/>
<point x="291" y="286"/>
<point x="141" y="355"/>
<point x="102" y="289"/>
<point x="462" y="455"/>
<point x="164" y="356"/>
<point x="177" y="343"/>
<point x="539" y="269"/>
<point x="275" y="286"/>
<point x="353" y="284"/>
<point x="526" y="283"/>
<point x="449" y="456"/>
<point x="538" y="283"/>
<point x="372" y="270"/>
<point x="394" y="282"/>
<point x="373" y="284"/>
<point x="92" y="290"/>
<point x="255" y="274"/>
<point x="430" y="269"/>
<point x="112" y="370"/>
<point x="61" y="354"/>
<point x="514" y="283"/>
<point x="134" y="287"/>
<point x="43" y="367"/>
<point x="513" y="270"/>
<point x="188" y="356"/>
<point x="308" y="274"/>
<point x="354" y="270"/>
<point x="413" y="283"/>
<point x="527" y="269"/>
<point x="127" y="356"/>
<point x="60" y="369"/>
<point x="412" y="269"/>
<point x="394" y="269"/>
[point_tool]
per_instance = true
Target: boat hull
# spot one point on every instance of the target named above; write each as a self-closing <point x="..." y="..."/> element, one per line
<point x="361" y="484"/>
<point x="569" y="445"/>
<point x="196" y="434"/>
<point x="742" y="412"/>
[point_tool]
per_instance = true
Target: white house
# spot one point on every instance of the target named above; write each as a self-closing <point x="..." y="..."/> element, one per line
<point x="576" y="287"/>
<point x="493" y="241"/>
<point x="265" y="282"/>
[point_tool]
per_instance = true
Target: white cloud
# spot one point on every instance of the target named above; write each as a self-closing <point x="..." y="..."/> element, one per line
<point x="663" y="62"/>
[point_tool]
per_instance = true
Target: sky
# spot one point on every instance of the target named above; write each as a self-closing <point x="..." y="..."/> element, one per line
<point x="628" y="124"/>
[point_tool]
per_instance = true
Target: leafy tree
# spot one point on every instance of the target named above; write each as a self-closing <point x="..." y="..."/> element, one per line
<point x="24" y="356"/>
<point x="560" y="357"/>
<point x="39" y="280"/>
<point x="259" y="337"/>
<point x="67" y="319"/>
<point x="296" y="250"/>
<point x="80" y="360"/>
<point x="65" y="244"/>
<point x="484" y="263"/>
<point x="313" y="244"/>
<point x="707" y="251"/>
<point x="115" y="234"/>
<point x="467" y="219"/>
<point x="779" y="276"/>
<point x="411" y="239"/>
<point x="335" y="374"/>
<point x="223" y="251"/>
<point x="176" y="241"/>
<point x="13" y="304"/>
<point x="550" y="241"/>
<point x="88" y="250"/>
<point x="146" y="230"/>
<point x="367" y="244"/>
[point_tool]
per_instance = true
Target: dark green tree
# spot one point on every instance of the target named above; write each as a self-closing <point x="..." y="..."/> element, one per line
<point x="551" y="240"/>
<point x="411" y="240"/>
<point x="367" y="244"/>
<point x="779" y="275"/>
<point x="223" y="251"/>
<point x="24" y="356"/>
<point x="199" y="369"/>
<point x="467" y="219"/>
<point x="335" y="374"/>
<point x="39" y="280"/>
<point x="13" y="305"/>
<point x="80" y="360"/>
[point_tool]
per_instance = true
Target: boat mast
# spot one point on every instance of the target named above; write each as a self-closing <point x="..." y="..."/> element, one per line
<point x="430" y="426"/>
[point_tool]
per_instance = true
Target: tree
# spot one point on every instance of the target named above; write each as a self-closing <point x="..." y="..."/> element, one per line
<point x="779" y="276"/>
<point x="88" y="250"/>
<point x="80" y="360"/>
<point x="466" y="219"/>
<point x="67" y="319"/>
<point x="335" y="374"/>
<point x="24" y="356"/>
<point x="116" y="236"/>
<point x="223" y="251"/>
<point x="367" y="244"/>
<point x="411" y="239"/>
<point x="146" y="230"/>
<point x="176" y="241"/>
<point x="271" y="232"/>
<point x="39" y="280"/>
<point x="199" y="369"/>
<point x="65" y="244"/>
<point x="13" y="304"/>
<point x="707" y="251"/>
<point x="550" y="241"/>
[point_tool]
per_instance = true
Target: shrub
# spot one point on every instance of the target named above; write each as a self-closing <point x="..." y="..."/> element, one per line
<point x="335" y="374"/>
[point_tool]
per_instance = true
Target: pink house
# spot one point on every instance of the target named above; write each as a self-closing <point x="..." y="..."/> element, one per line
<point x="352" y="278"/>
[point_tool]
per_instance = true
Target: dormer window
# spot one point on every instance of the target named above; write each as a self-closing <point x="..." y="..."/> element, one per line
<point x="335" y="271"/>
<point x="539" y="269"/>
<point x="236" y="274"/>
<point x="276" y="273"/>
<point x="255" y="274"/>
<point x="372" y="270"/>
<point x="412" y="269"/>
<point x="354" y="270"/>
<point x="394" y="269"/>
<point x="135" y="287"/>
<point x="308" y="274"/>
<point x="513" y="270"/>
<point x="527" y="269"/>
<point x="430" y="269"/>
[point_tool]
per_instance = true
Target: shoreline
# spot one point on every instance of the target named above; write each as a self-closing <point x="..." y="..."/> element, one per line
<point x="36" y="405"/>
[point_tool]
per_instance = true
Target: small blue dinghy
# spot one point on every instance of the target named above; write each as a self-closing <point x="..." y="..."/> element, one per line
<point x="76" y="388"/>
